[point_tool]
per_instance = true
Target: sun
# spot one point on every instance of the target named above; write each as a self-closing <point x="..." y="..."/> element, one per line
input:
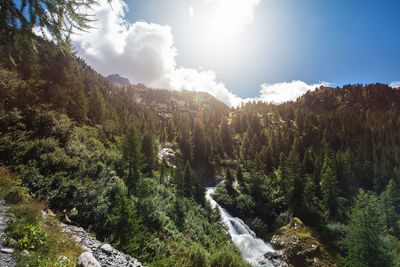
<point x="221" y="22"/>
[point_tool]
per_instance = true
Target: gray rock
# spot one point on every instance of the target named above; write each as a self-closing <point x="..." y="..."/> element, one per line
<point x="107" y="248"/>
<point x="86" y="259"/>
<point x="7" y="250"/>
<point x="168" y="155"/>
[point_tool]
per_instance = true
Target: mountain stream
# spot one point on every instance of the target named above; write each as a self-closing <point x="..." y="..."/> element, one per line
<point x="251" y="248"/>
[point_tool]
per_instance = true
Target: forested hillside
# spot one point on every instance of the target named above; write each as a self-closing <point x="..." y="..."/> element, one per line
<point x="331" y="158"/>
<point x="89" y="148"/>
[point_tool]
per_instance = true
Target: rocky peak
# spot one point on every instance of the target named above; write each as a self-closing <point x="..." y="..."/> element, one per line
<point x="117" y="79"/>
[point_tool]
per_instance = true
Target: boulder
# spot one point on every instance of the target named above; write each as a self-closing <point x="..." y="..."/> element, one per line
<point x="86" y="259"/>
<point x="299" y="247"/>
<point x="273" y="255"/>
<point x="107" y="248"/>
<point x="168" y="155"/>
<point x="7" y="250"/>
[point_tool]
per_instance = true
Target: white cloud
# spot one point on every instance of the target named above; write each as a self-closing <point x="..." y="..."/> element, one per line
<point x="145" y="53"/>
<point x="285" y="91"/>
<point x="142" y="51"/>
<point x="205" y="81"/>
<point x="395" y="84"/>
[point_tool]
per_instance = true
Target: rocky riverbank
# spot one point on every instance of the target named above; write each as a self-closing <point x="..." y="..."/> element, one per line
<point x="6" y="258"/>
<point x="96" y="252"/>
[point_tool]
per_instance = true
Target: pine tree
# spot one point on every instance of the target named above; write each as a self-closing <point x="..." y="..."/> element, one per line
<point x="226" y="137"/>
<point x="239" y="176"/>
<point x="188" y="180"/>
<point x="245" y="149"/>
<point x="148" y="153"/>
<point x="126" y="225"/>
<point x="96" y="111"/>
<point x="365" y="240"/>
<point x="55" y="18"/>
<point x="199" y="191"/>
<point x="229" y="179"/>
<point x="293" y="174"/>
<point x="130" y="152"/>
<point x="329" y="186"/>
<point x="199" y="145"/>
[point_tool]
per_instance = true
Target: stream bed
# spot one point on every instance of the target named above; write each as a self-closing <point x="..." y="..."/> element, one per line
<point x="251" y="248"/>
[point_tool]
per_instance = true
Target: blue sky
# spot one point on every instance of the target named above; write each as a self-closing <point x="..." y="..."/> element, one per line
<point x="313" y="41"/>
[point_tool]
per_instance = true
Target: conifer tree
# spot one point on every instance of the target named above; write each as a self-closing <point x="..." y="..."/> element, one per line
<point x="130" y="152"/>
<point x="188" y="180"/>
<point x="226" y="137"/>
<point x="294" y="176"/>
<point x="229" y="179"/>
<point x="96" y="110"/>
<point x="148" y="153"/>
<point x="329" y="186"/>
<point x="366" y="241"/>
<point x="199" y="144"/>
<point x="239" y="176"/>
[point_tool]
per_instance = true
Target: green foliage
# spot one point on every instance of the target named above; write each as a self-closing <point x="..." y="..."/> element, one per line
<point x="224" y="257"/>
<point x="200" y="156"/>
<point x="391" y="204"/>
<point x="148" y="152"/>
<point x="366" y="242"/>
<point x="7" y="181"/>
<point x="229" y="179"/>
<point x="126" y="225"/>
<point x="329" y="186"/>
<point x="56" y="20"/>
<point x="245" y="205"/>
<point x="188" y="180"/>
<point x="130" y="152"/>
<point x="197" y="257"/>
<point x="239" y="176"/>
<point x="17" y="194"/>
<point x="226" y="137"/>
<point x="40" y="236"/>
<point x="28" y="236"/>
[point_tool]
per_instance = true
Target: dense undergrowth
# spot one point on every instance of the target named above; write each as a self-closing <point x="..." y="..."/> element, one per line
<point x="38" y="241"/>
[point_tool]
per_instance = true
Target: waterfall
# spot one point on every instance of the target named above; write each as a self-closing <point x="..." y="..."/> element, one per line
<point x="251" y="248"/>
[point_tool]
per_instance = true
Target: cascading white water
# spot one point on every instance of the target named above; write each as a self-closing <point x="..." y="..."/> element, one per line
<point x="251" y="248"/>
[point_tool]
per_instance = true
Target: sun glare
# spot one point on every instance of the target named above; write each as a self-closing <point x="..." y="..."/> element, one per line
<point x="220" y="24"/>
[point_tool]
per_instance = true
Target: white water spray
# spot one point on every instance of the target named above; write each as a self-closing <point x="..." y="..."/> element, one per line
<point x="251" y="248"/>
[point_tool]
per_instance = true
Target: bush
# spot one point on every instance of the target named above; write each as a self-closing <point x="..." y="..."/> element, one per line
<point x="197" y="257"/>
<point x="17" y="194"/>
<point x="245" y="205"/>
<point x="29" y="236"/>
<point x="7" y="181"/>
<point x="226" y="257"/>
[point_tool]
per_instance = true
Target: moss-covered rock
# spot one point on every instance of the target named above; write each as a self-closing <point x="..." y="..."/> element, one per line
<point x="300" y="247"/>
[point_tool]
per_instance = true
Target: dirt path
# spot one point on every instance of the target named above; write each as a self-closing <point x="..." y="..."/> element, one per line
<point x="6" y="259"/>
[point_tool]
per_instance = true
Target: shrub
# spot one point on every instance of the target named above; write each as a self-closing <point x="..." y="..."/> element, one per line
<point x="17" y="194"/>
<point x="226" y="257"/>
<point x="28" y="236"/>
<point x="197" y="257"/>
<point x="7" y="181"/>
